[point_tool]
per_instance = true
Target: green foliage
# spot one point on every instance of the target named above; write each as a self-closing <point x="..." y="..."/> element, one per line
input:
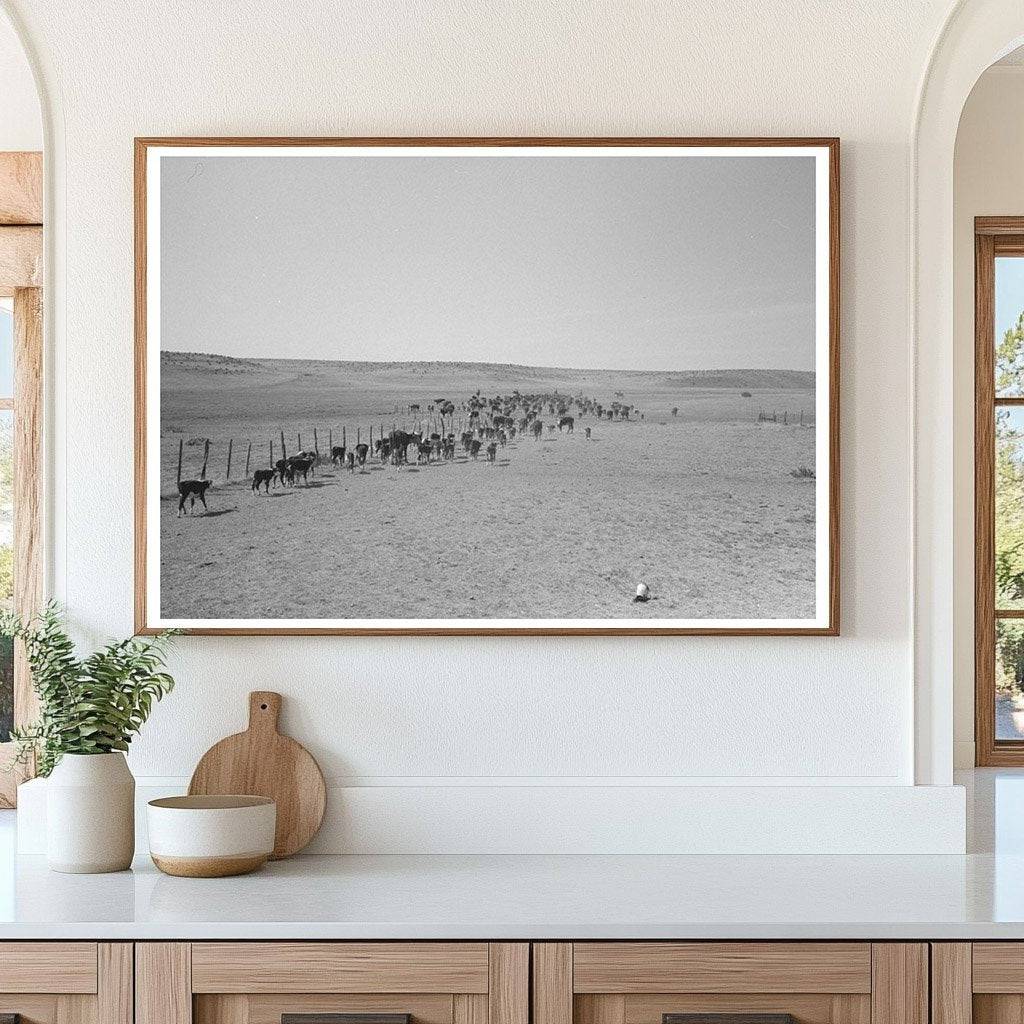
<point x="1010" y="656"/>
<point x="91" y="705"/>
<point x="1010" y="360"/>
<point x="6" y="572"/>
<point x="1009" y="511"/>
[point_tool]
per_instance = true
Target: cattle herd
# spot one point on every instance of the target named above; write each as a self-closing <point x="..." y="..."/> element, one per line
<point x="485" y="425"/>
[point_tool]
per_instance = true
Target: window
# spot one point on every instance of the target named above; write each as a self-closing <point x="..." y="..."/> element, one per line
<point x="6" y="510"/>
<point x="21" y="375"/>
<point x="999" y="490"/>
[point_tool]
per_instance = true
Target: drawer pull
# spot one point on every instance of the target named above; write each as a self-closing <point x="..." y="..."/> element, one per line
<point x="341" y="1018"/>
<point x="728" y="1018"/>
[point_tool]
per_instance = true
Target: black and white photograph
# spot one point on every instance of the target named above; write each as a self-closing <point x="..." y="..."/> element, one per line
<point x="452" y="387"/>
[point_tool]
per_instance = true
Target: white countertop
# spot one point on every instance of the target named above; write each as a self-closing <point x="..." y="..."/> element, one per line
<point x="977" y="896"/>
<point x="532" y="897"/>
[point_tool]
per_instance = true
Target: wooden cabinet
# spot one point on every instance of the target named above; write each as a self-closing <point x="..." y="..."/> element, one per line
<point x="647" y="982"/>
<point x="980" y="982"/>
<point x="260" y="982"/>
<point x="66" y="982"/>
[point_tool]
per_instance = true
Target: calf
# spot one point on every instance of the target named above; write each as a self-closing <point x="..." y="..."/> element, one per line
<point x="263" y="478"/>
<point x="588" y="433"/>
<point x="566" y="421"/>
<point x="538" y="429"/>
<point x="492" y="451"/>
<point x="474" y="447"/>
<point x="192" y="489"/>
<point x="338" y="455"/>
<point x="361" y="451"/>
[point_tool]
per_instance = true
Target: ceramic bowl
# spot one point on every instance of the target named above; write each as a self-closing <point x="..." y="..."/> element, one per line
<point x="211" y="836"/>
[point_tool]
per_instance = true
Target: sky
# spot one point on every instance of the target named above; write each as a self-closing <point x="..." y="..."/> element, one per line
<point x="650" y="263"/>
<point x="1009" y="293"/>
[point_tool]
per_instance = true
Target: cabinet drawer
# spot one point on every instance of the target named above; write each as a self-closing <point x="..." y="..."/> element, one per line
<point x="48" y="967"/>
<point x="630" y="967"/>
<point x="263" y="982"/>
<point x="340" y="967"/>
<point x="66" y="982"/>
<point x="735" y="982"/>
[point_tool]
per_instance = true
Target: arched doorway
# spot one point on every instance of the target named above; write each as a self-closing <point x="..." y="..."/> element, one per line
<point x="976" y="34"/>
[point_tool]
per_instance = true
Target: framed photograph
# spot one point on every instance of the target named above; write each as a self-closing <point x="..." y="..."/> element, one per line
<point x="487" y="386"/>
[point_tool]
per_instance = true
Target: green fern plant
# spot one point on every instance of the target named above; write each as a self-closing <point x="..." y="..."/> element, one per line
<point x="90" y="705"/>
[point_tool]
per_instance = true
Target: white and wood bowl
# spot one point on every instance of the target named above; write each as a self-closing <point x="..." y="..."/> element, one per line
<point x="211" y="836"/>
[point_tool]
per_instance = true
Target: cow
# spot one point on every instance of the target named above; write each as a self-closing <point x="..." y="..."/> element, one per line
<point x="551" y="428"/>
<point x="192" y="489"/>
<point x="285" y="473"/>
<point x="538" y="429"/>
<point x="566" y="421"/>
<point x="492" y="451"/>
<point x="263" y="478"/>
<point x="474" y="447"/>
<point x="300" y="467"/>
<point x="588" y="433"/>
<point x="338" y="455"/>
<point x="361" y="450"/>
<point x="423" y="449"/>
<point x="350" y="462"/>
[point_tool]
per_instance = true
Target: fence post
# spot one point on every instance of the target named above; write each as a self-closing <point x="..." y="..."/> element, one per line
<point x="358" y="434"/>
<point x="181" y="453"/>
<point x="316" y="444"/>
<point x="248" y="455"/>
<point x="299" y="436"/>
<point x="271" y="452"/>
<point x="206" y="458"/>
<point x="284" y="451"/>
<point x="344" y="444"/>
<point x="231" y="445"/>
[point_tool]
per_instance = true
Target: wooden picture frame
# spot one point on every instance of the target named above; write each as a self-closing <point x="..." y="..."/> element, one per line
<point x="825" y="620"/>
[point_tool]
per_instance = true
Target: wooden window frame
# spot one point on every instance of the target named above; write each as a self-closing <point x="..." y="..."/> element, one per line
<point x="21" y="269"/>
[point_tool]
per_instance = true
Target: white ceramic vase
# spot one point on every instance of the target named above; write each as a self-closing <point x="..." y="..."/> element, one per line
<point x="90" y="814"/>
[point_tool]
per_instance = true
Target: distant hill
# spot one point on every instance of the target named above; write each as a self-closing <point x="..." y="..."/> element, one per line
<point x="206" y="364"/>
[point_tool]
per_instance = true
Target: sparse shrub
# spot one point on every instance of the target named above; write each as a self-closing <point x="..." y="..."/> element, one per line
<point x="802" y="473"/>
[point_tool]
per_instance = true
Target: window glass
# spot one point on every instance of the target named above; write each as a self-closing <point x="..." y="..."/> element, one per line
<point x="1009" y="327"/>
<point x="1009" y="679"/>
<point x="6" y="350"/>
<point x="1009" y="511"/>
<point x="6" y="567"/>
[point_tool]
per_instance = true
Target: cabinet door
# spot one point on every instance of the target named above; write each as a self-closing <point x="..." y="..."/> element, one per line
<point x="736" y="982"/>
<point x="66" y="982"/>
<point x="332" y="983"/>
<point x="980" y="982"/>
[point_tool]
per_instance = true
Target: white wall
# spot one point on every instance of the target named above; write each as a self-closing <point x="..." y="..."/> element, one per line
<point x="21" y="125"/>
<point x="988" y="181"/>
<point x="442" y="713"/>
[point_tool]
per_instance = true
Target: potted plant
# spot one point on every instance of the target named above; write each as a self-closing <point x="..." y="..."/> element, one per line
<point x="89" y="710"/>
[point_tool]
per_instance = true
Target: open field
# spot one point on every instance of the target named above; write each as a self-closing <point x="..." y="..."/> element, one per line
<point x="702" y="505"/>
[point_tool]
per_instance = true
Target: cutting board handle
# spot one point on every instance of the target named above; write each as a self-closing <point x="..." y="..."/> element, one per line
<point x="264" y="710"/>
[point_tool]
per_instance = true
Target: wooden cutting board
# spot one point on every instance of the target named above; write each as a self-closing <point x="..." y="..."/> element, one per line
<point x="262" y="762"/>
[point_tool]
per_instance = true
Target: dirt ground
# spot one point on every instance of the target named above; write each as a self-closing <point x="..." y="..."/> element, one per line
<point x="701" y="505"/>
